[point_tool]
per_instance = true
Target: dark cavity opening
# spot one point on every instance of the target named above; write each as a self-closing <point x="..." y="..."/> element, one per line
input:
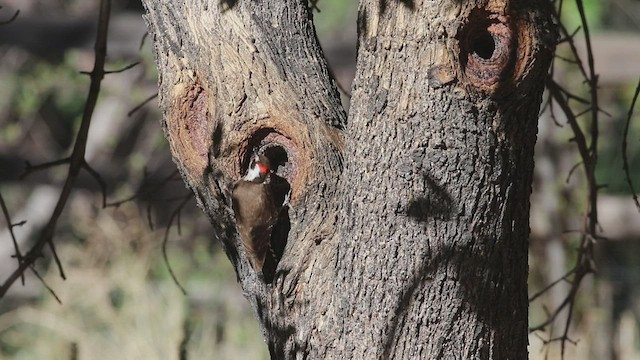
<point x="483" y="45"/>
<point x="280" y="233"/>
<point x="281" y="188"/>
<point x="277" y="156"/>
<point x="276" y="146"/>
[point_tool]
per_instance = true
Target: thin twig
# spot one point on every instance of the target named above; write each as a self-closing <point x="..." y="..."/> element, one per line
<point x="10" y="226"/>
<point x="569" y="37"/>
<point x="549" y="286"/>
<point x="107" y="72"/>
<point x="313" y="5"/>
<point x="578" y="135"/>
<point x="143" y="103"/>
<point x="550" y="319"/>
<point x="583" y="112"/>
<point x="103" y="185"/>
<point x="46" y="286"/>
<point x="565" y="59"/>
<point x="573" y="169"/>
<point x="590" y="159"/>
<point x="15" y="15"/>
<point x="625" y="160"/>
<point x="29" y="169"/>
<point x="125" y="68"/>
<point x="174" y="214"/>
<point x="142" y="40"/>
<point x="572" y="96"/>
<point x="553" y="113"/>
<point x="588" y="151"/>
<point x="146" y="188"/>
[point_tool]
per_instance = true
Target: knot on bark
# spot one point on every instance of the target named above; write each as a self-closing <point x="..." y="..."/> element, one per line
<point x="188" y="127"/>
<point x="487" y="50"/>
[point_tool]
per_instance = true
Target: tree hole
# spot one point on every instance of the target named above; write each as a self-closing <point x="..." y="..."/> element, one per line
<point x="280" y="149"/>
<point x="483" y="45"/>
<point x="278" y="158"/>
<point x="487" y="49"/>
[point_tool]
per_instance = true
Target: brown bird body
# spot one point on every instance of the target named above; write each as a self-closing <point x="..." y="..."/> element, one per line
<point x="256" y="210"/>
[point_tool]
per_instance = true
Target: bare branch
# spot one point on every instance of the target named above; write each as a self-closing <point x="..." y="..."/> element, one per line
<point x="544" y="290"/>
<point x="100" y="180"/>
<point x="125" y="68"/>
<point x="115" y="71"/>
<point x="29" y="169"/>
<point x="10" y="226"/>
<point x="15" y="15"/>
<point x="571" y="96"/>
<point x="570" y="61"/>
<point x="573" y="169"/>
<point x="174" y="215"/>
<point x="76" y="160"/>
<point x="143" y="103"/>
<point x="551" y="318"/>
<point x="142" y="40"/>
<point x="579" y="138"/>
<point x="46" y="286"/>
<point x="625" y="160"/>
<point x="588" y="151"/>
<point x="146" y="188"/>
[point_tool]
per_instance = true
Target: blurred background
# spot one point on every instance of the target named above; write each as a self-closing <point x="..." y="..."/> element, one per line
<point x="119" y="300"/>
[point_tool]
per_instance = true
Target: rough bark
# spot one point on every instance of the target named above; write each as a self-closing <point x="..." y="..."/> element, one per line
<point x="416" y="245"/>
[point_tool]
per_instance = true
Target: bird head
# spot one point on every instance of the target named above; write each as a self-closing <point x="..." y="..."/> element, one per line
<point x="259" y="168"/>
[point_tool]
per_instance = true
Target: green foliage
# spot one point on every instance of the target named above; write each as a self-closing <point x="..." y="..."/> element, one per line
<point x="61" y="84"/>
<point x="593" y="11"/>
<point x="333" y="14"/>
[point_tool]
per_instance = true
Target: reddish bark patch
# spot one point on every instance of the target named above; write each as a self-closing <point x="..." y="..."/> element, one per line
<point x="195" y="125"/>
<point x="188" y="129"/>
<point x="487" y="47"/>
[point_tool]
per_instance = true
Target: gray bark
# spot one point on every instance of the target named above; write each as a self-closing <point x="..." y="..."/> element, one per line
<point x="413" y="246"/>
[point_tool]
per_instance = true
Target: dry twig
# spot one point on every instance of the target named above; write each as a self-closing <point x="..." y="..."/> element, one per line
<point x="588" y="151"/>
<point x="625" y="160"/>
<point x="175" y="215"/>
<point x="11" y="19"/>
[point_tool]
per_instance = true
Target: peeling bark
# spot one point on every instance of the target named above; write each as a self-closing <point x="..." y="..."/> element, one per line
<point x="414" y="245"/>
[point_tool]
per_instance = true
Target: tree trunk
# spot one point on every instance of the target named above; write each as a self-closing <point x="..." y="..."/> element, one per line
<point x="407" y="230"/>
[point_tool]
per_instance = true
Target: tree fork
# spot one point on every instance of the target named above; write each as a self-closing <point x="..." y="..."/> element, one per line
<point x="414" y="246"/>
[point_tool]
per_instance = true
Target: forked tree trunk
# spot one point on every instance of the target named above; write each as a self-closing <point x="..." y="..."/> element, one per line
<point x="407" y="232"/>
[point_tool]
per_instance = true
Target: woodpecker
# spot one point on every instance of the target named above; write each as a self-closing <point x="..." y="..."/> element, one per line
<point x="257" y="202"/>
